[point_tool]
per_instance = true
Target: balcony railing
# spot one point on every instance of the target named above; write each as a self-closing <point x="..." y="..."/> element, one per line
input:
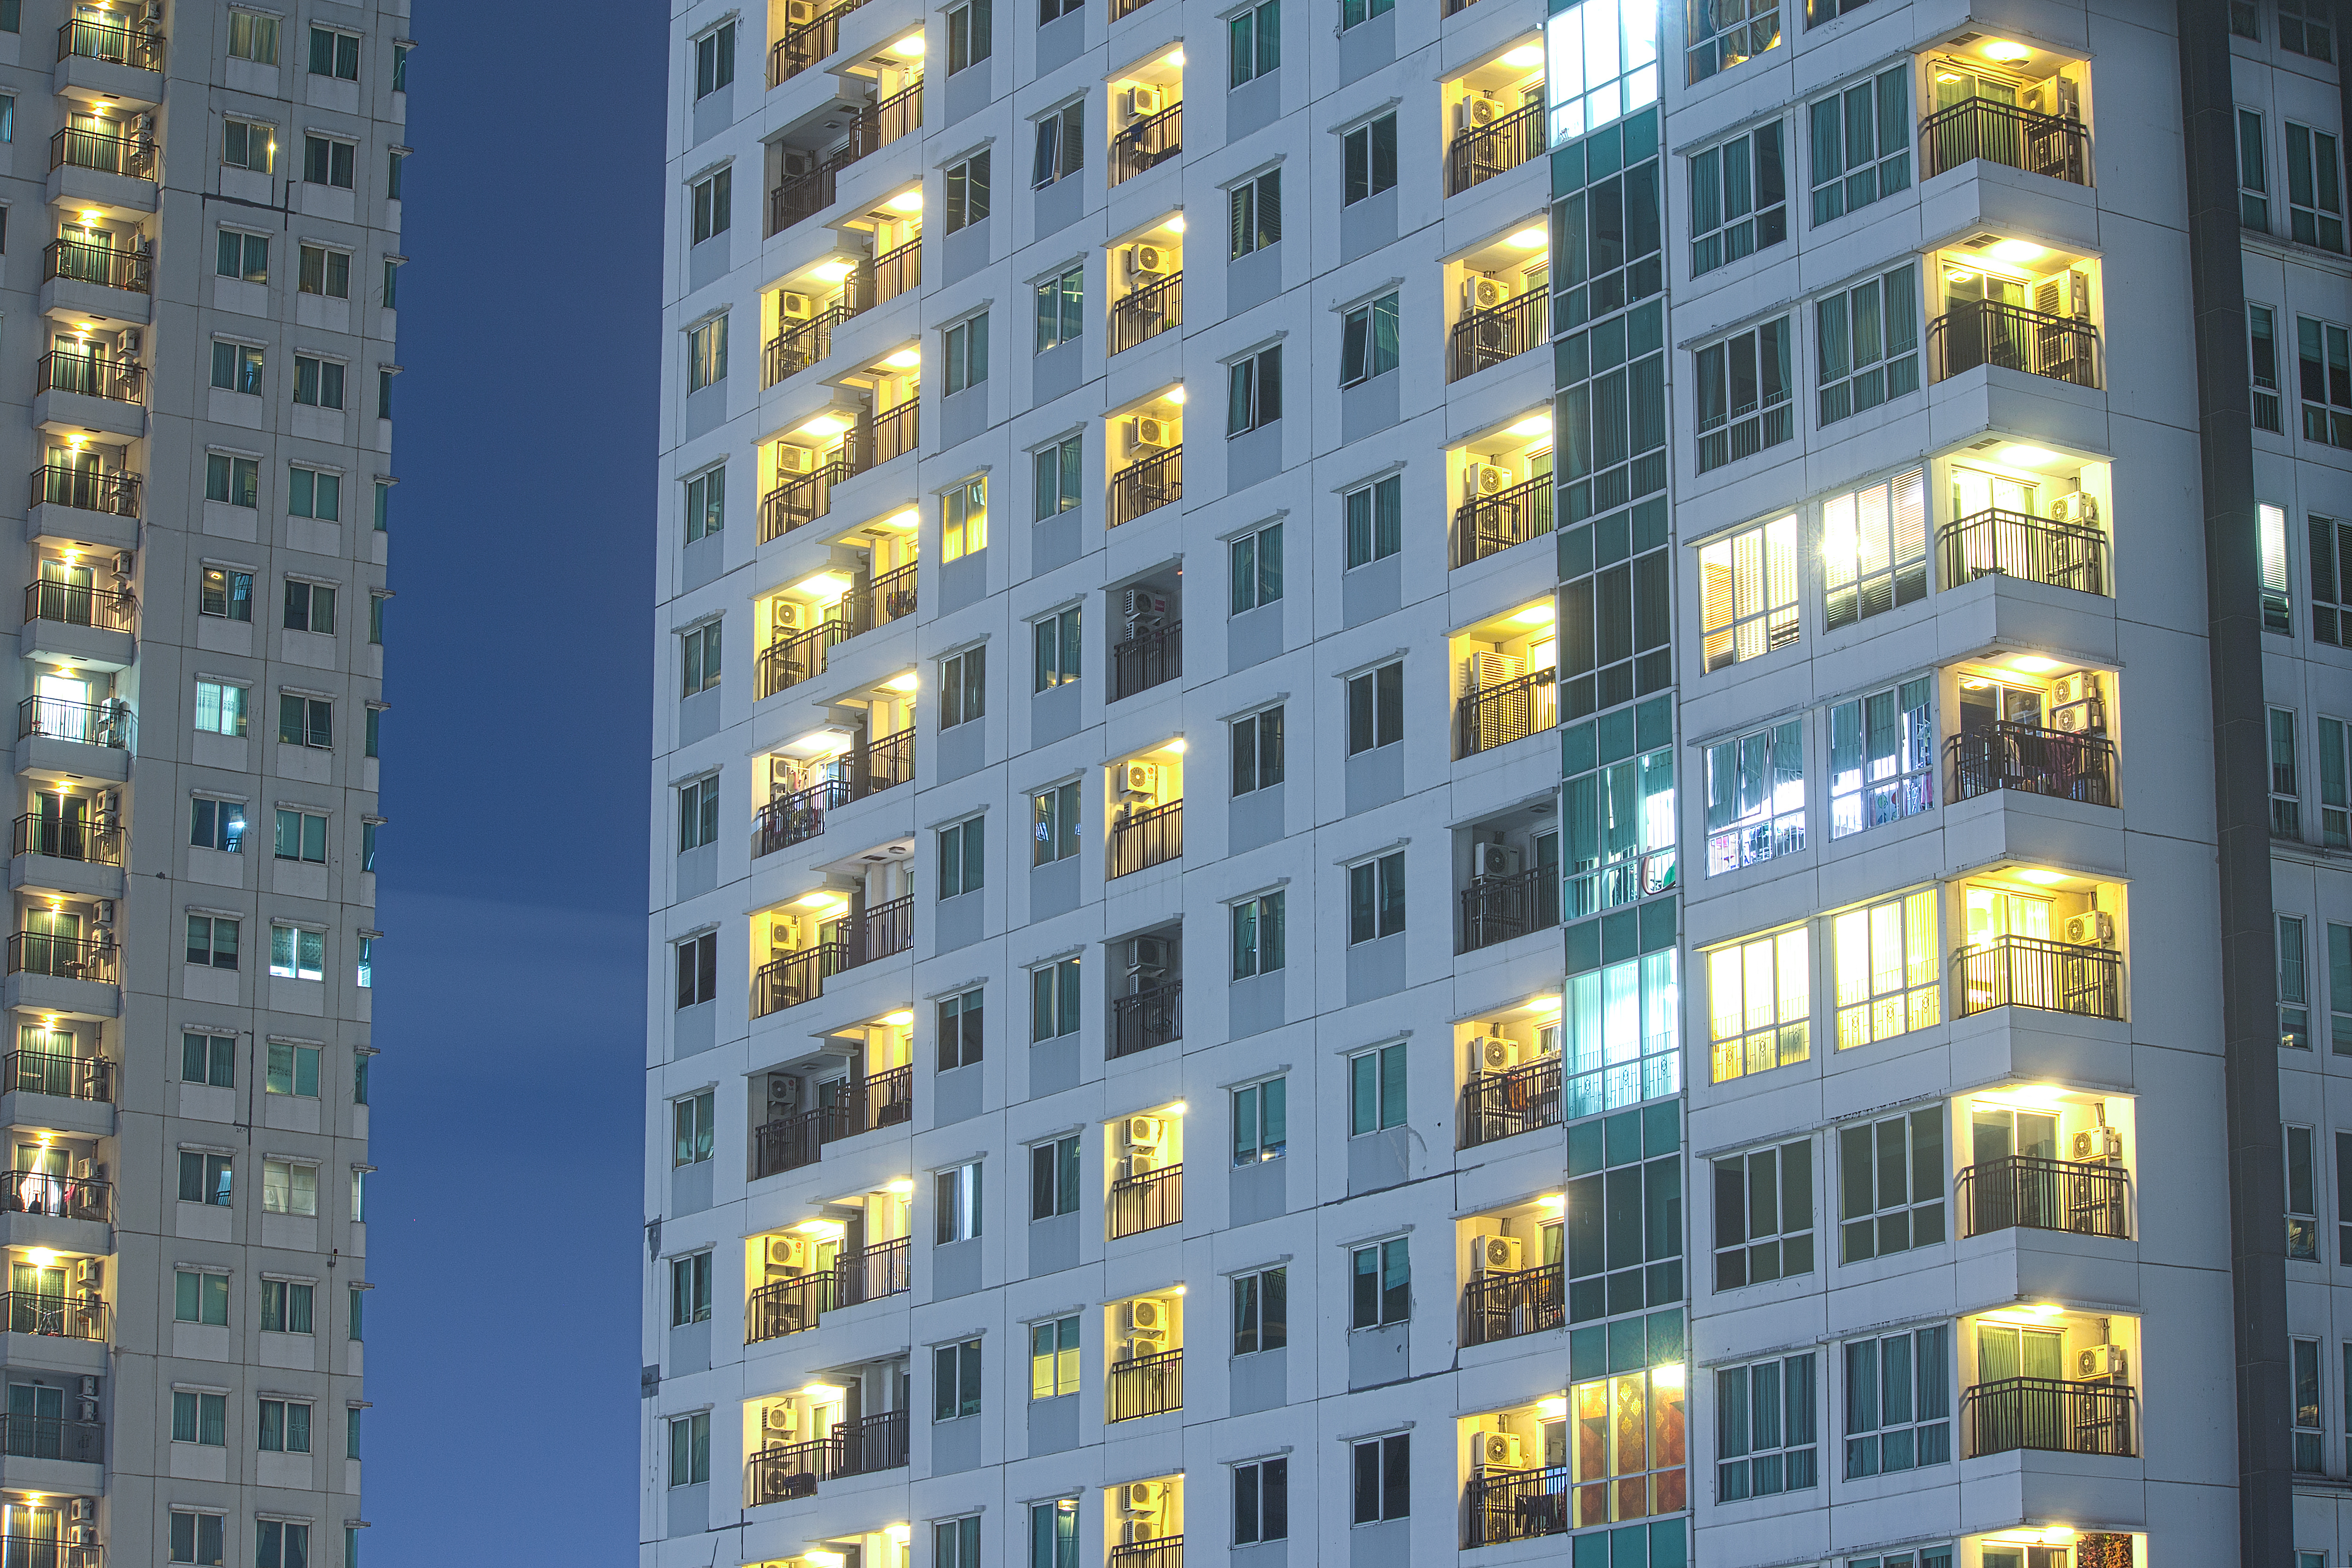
<point x="68" y="838"/>
<point x="875" y="127"/>
<point x="1148" y="838"/>
<point x="1147" y="312"/>
<point x="806" y="43"/>
<point x="1147" y="1385"/>
<point x="59" y="1317"/>
<point x="883" y="763"/>
<point x="61" y="958"/>
<point x="1147" y="486"/>
<point x="1146" y="1202"/>
<point x="1504" y="1306"/>
<point x="77" y="604"/>
<point x="79" y="261"/>
<point x="788" y="1142"/>
<point x="787" y="662"/>
<point x="1146" y="1019"/>
<point x="1515" y="1505"/>
<point x="894" y="433"/>
<point x="62" y="1197"/>
<point x="1496" y="1105"/>
<point x="2051" y="145"/>
<point x="2056" y="763"/>
<point x="2033" y="972"/>
<point x="2037" y="1194"/>
<point x="888" y="1098"/>
<point x="888" y="930"/>
<point x="889" y="597"/>
<point x="872" y="1443"/>
<point x="48" y="1437"/>
<point x="106" y="724"/>
<point x="787" y="1306"/>
<point x="797" y="816"/>
<point x="1498" y="147"/>
<point x="1995" y="542"/>
<point x="1124" y="8"/>
<point x="868" y="1276"/>
<point x="55" y="1072"/>
<point x="116" y="45"/>
<point x="787" y="1470"/>
<point x="794" y="979"/>
<point x="1493" y="524"/>
<point x="1147" y="144"/>
<point x="1486" y="337"/>
<point x="1499" y="715"/>
<point x="1498" y="908"/>
<point x="804" y="497"/>
<point x="1167" y="1552"/>
<point x="2050" y="1415"/>
<point x="2012" y="338"/>
<point x="803" y="342"/>
<point x="1142" y="663"/>
<point x="93" y="375"/>
<point x="104" y="151"/>
<point x="115" y="493"/>
<point x="896" y="272"/>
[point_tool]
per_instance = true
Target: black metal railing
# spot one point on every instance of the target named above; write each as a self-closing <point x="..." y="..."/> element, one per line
<point x="2029" y="1192"/>
<point x="870" y="1443"/>
<point x="1123" y="8"/>
<point x="2052" y="144"/>
<point x="104" y="376"/>
<point x="79" y="261"/>
<point x="804" y="43"/>
<point x="788" y="1142"/>
<point x="804" y="497"/>
<point x="68" y="838"/>
<point x="1145" y="1019"/>
<point x="1504" y="1306"/>
<point x="789" y="1306"/>
<point x="78" y="604"/>
<point x="2033" y="972"/>
<point x="1147" y="1385"/>
<point x="794" y="979"/>
<point x="883" y="763"/>
<point x="787" y="1470"/>
<point x="2050" y="1415"/>
<point x="1149" y="838"/>
<point x="59" y="1317"/>
<point x="889" y="597"/>
<point x="876" y="126"/>
<point x="1515" y="1505"/>
<point x="1142" y="663"/>
<point x="888" y="929"/>
<point x="56" y="1072"/>
<point x="789" y="661"/>
<point x="116" y="45"/>
<point x="49" y="1437"/>
<point x="894" y="433"/>
<point x="896" y="271"/>
<point x="2053" y="762"/>
<point x="105" y="152"/>
<point x="1996" y="542"/>
<point x="1147" y="486"/>
<point x="797" y="816"/>
<point x="1497" y="1106"/>
<point x="47" y="1551"/>
<point x="62" y="1197"/>
<point x="114" y="492"/>
<point x="106" y="724"/>
<point x="1147" y="144"/>
<point x="1165" y="1551"/>
<point x="869" y="1275"/>
<point x="1505" y="331"/>
<point x="804" y="342"/>
<point x="1146" y="312"/>
<point x="887" y="1099"/>
<point x="1501" y="145"/>
<point x="1498" y="908"/>
<point x="2010" y="337"/>
<point x="1513" y="710"/>
<point x="1493" y="524"/>
<point x="61" y="958"/>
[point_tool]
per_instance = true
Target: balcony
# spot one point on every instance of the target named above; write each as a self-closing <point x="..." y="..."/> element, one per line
<point x="72" y="604"/>
<point x="2048" y="1415"/>
<point x="58" y="1317"/>
<point x="2034" y="972"/>
<point x="893" y="432"/>
<point x="1167" y="1552"/>
<point x="1497" y="1106"/>
<point x="886" y="930"/>
<point x="1147" y="144"/>
<point x="1504" y="1306"/>
<point x="810" y="192"/>
<point x="806" y="43"/>
<point x="868" y="1276"/>
<point x="48" y="1437"/>
<point x="785" y="664"/>
<point x="112" y="494"/>
<point x="1482" y="152"/>
<point x="2026" y="1191"/>
<point x="803" y="343"/>
<point x="1999" y="543"/>
<point x="883" y="763"/>
<point x="2055" y="763"/>
<point x="865" y="1446"/>
<point x="61" y="958"/>
<point x="1146" y="660"/>
<point x="109" y="44"/>
<point x="1147" y="486"/>
<point x="55" y="1072"/>
<point x="68" y="838"/>
<point x="59" y="1197"/>
<point x="871" y="1443"/>
<point x="1146" y="1202"/>
<point x="1493" y="524"/>
<point x="1511" y="710"/>
<point x="896" y="272"/>
<point x="1149" y="1018"/>
<point x="1147" y="1385"/>
<point x="787" y="1306"/>
<point x="1147" y="838"/>
<point x="1144" y="313"/>
<point x="798" y="817"/>
<point x="1498" y="908"/>
<point x="104" y="153"/>
<point x="1487" y="338"/>
<point x="2010" y="337"/>
<point x="2051" y="145"/>
<point x="1515" y="1505"/>
<point x="100" y="376"/>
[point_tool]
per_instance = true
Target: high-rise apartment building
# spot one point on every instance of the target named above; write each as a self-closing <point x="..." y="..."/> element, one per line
<point x="200" y="358"/>
<point x="1779" y="646"/>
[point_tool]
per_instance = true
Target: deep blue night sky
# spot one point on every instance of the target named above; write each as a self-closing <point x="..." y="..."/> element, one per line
<point x="505" y="1228"/>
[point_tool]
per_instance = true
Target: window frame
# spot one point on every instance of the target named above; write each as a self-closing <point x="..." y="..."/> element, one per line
<point x="1061" y="309"/>
<point x="1723" y="205"/>
<point x="1376" y="898"/>
<point x="1253" y="568"/>
<point x="966" y="180"/>
<point x="1376" y="708"/>
<point x="1742" y="1205"/>
<point x="1250" y="758"/>
<point x="1252" y="391"/>
<point x="1253" y="208"/>
<point x="1368" y="155"/>
<point x="1921" y="1142"/>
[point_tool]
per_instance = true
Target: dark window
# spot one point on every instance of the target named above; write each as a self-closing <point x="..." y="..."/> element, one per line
<point x="1257" y="751"/>
<point x="698" y="969"/>
<point x="1368" y="158"/>
<point x="959" y="1020"/>
<point x="1383" y="1468"/>
<point x="1376" y="708"/>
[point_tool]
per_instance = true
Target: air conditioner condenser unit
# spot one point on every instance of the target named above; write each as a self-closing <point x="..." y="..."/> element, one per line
<point x="2095" y="929"/>
<point x="1498" y="1254"/>
<point x="1499" y="1451"/>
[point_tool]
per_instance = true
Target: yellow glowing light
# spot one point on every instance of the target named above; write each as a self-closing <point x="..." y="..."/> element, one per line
<point x="900" y="1019"/>
<point x="1175" y="57"/>
<point x="2033" y="663"/>
<point x="833" y="271"/>
<point x="2005" y="52"/>
<point x="826" y="1228"/>
<point x="1523" y="56"/>
<point x="821" y="585"/>
<point x="906" y="202"/>
<point x="2027" y="456"/>
<point x="1178" y="1109"/>
<point x="1534" y="615"/>
<point x="1176" y="395"/>
<point x="1554" y="1200"/>
<point x="1553" y="1408"/>
<point x="2017" y="250"/>
<point x="816" y="900"/>
<point x="903" y="1187"/>
<point x="901" y="1533"/>
<point x="909" y="518"/>
<point x="1175" y="745"/>
<point x="1534" y="425"/>
<point x="1177" y="1291"/>
<point x="906" y="683"/>
<point x="824" y="425"/>
<point x="911" y="46"/>
<point x="1973" y="682"/>
<point x="1544" y="1004"/>
<point x="904" y="359"/>
<point x="2038" y="1095"/>
<point x="1530" y="238"/>
<point x="1174" y="226"/>
<point x="2042" y="878"/>
<point x="825" y="1559"/>
<point x="1668" y="1376"/>
<point x="89" y="215"/>
<point x="40" y="1257"/>
<point x="2048" y="1310"/>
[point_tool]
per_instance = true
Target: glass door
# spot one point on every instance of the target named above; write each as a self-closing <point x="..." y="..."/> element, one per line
<point x="72" y="477"/>
<point x="94" y="143"/>
<point x="65" y="592"/>
<point x="52" y="940"/>
<point x="61" y="826"/>
<point x="62" y="709"/>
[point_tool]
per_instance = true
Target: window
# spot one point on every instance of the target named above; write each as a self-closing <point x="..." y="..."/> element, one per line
<point x="689" y="1289"/>
<point x="2277" y="612"/>
<point x="326" y="161"/>
<point x="1747" y="593"/>
<point x="220" y="708"/>
<point x="1257" y="751"/>
<point x="959" y="1020"/>
<point x="1256" y="560"/>
<point x="698" y="814"/>
<point x="2315" y="191"/>
<point x="1054" y="1178"/>
<point x="351" y="1447"/>
<point x="691" y="1119"/>
<point x="2303" y="1364"/>
<point x="1764" y="1216"/>
<point x="383" y="505"/>
<point x="326" y="273"/>
<point x="360" y="1069"/>
<point x="690" y="1449"/>
<point x="234" y="480"/>
<point x="955" y="1381"/>
<point x="1254" y="390"/>
<point x="1743" y="395"/>
<point x="252" y="36"/>
<point x="2305" y="29"/>
<point x="1053" y="1534"/>
<point x="2302" y="1196"/>
<point x="1722" y="35"/>
<point x="1764" y="1428"/>
<point x="306" y="721"/>
<point x="706" y="354"/>
<point x="200" y="1537"/>
<point x="1368" y="340"/>
<point x="280" y="1543"/>
<point x="1367" y="156"/>
<point x="1891" y="1185"/>
<point x="291" y="1070"/>
<point x="713" y="204"/>
<point x="289" y="1188"/>
<point x="1899" y="1402"/>
<point x="1376" y="1090"/>
<point x="334" y="54"/>
<point x="212" y="941"/>
<point x="200" y="1418"/>
<point x="698" y="969"/>
<point x="955" y="1543"/>
<point x="714" y="60"/>
<point x="967" y="182"/>
<point x="1261" y="1492"/>
<point x="1755" y="797"/>
<point x="208" y="1059"/>
<point x="247" y="144"/>
<point x="2254" y="174"/>
<point x="1383" y="1468"/>
<point x="698" y="659"/>
<point x="285" y="1426"/>
<point x="2286" y="793"/>
<point x="1887" y="967"/>
<point x="2244" y="22"/>
<point x="2293" y="994"/>
<point x="1053" y="10"/>
<point x="1868" y="343"/>
<point x="1059" y="472"/>
<point x="1861" y="144"/>
<point x="963" y="863"/>
<point x="1258" y="935"/>
<point x="1057" y="637"/>
<point x="963" y="688"/>
<point x="2325" y="361"/>
<point x="226" y="592"/>
<point x="1376" y="898"/>
<point x="1738" y="197"/>
<point x="237" y="367"/>
<point x="957" y="1189"/>
<point x="309" y="606"/>
<point x="286" y="1306"/>
<point x="1376" y="708"/>
<point x="1256" y="38"/>
<point x="199" y="1298"/>
<point x="312" y="492"/>
<point x="1882" y="758"/>
<point x="1261" y="1122"/>
<point x="1053" y="1000"/>
<point x="1061" y="144"/>
<point x="1381" y="1291"/>
<point x="243" y="257"/>
<point x="1620" y="807"/>
<point x="393" y="161"/>
<point x="318" y="383"/>
<point x="2331" y="581"/>
<point x="359" y="1297"/>
<point x="970" y="34"/>
<point x="1054" y="1358"/>
<point x="1759" y="1005"/>
<point x="2339" y="1014"/>
<point x="1261" y="1310"/>
<point x="964" y="519"/>
<point x="392" y="285"/>
<point x="966" y="349"/>
<point x="1256" y="213"/>
<point x="1061" y="314"/>
<point x="1054" y="824"/>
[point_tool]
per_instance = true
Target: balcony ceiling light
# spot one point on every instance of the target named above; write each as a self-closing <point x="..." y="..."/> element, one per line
<point x="2017" y="250"/>
<point x="1175" y="58"/>
<point x="819" y="585"/>
<point x="1553" y="1408"/>
<point x="824" y="425"/>
<point x="909" y="518"/>
<point x="1526" y="55"/>
<point x="833" y="271"/>
<point x="904" y="359"/>
<point x="1534" y="425"/>
<point x="1543" y="1004"/>
<point x="1178" y="1109"/>
<point x="825" y="1559"/>
<point x="41" y="1258"/>
<point x="911" y="46"/>
<point x="2033" y="663"/>
<point x="1539" y="613"/>
<point x="1555" y="1201"/>
<point x="900" y="1019"/>
<point x="906" y="683"/>
<point x="903" y="1187"/>
<point x="1530" y="238"/>
<point x="2018" y="456"/>
<point x="2001" y="49"/>
<point x="906" y="202"/>
<point x="2042" y="878"/>
<point x="1174" y="226"/>
<point x="1175" y="747"/>
<point x="1176" y="394"/>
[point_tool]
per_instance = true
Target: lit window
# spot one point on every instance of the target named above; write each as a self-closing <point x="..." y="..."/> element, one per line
<point x="1887" y="969"/>
<point x="1760" y="1004"/>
